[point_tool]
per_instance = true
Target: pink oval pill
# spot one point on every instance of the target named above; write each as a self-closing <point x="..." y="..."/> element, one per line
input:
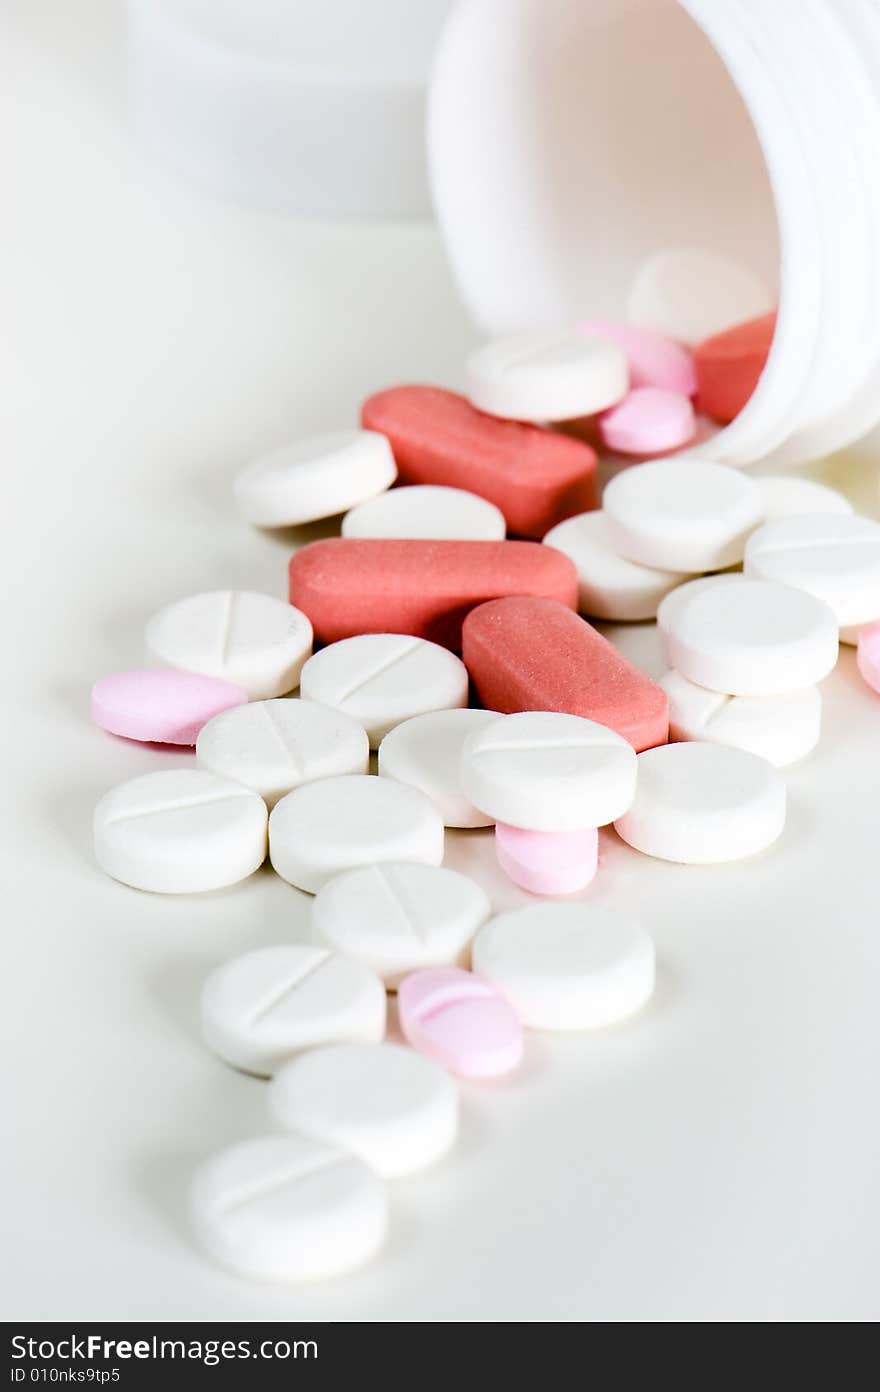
<point x="654" y="360"/>
<point x="547" y="862"/>
<point x="868" y="654"/>
<point x="648" y="421"/>
<point x="461" y="1021"/>
<point x="161" y="705"/>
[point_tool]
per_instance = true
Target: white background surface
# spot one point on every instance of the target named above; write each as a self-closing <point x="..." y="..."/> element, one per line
<point x="715" y="1160"/>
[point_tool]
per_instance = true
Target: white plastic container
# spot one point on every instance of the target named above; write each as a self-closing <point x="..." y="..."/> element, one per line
<point x="570" y="139"/>
<point x="316" y="106"/>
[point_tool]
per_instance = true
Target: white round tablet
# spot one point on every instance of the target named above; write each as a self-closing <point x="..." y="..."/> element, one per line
<point x="399" y="917"/>
<point x="682" y="514"/>
<point x="429" y="511"/>
<point x="691" y="293"/>
<point x="609" y="587"/>
<point x="674" y="602"/>
<point x="394" y="1108"/>
<point x="671" y="606"/>
<point x="426" y="753"/>
<point x="756" y="638"/>
<point x="179" y="831"/>
<point x="323" y="828"/>
<point x="546" y="376"/>
<point x="380" y="679"/>
<point x="287" y="1208"/>
<point x="274" y="746"/>
<point x="781" y="729"/>
<point x="789" y="495"/>
<point x="261" y="1007"/>
<point x="314" y="478"/>
<point x="548" y="772"/>
<point x="253" y="640"/>
<point x="835" y="558"/>
<point x="703" y="804"/>
<point x="567" y="966"/>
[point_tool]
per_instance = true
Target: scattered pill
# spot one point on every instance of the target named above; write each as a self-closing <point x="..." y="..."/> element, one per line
<point x="252" y="640"/>
<point x="180" y="831"/>
<point x="336" y="824"/>
<point x="420" y="572"/>
<point x="426" y="753"/>
<point x="273" y="746"/>
<point x="546" y="376"/>
<point x="547" y="862"/>
<point x="835" y="558"/>
<point x="160" y="705"/>
<point x="756" y="638"/>
<point x="286" y="1208"/>
<point x="533" y="655"/>
<point x="396" y="1109"/>
<point x="261" y="1007"/>
<point x="682" y="514"/>
<point x="704" y="804"/>
<point x="549" y="772"/>
<point x="349" y="585"/>
<point x="868" y="654"/>
<point x="461" y="1021"/>
<point x="427" y="511"/>
<point x="380" y="679"/>
<point x="648" y="420"/>
<point x="787" y="495"/>
<point x="729" y="366"/>
<point x="689" y="293"/>
<point x="399" y="917"/>
<point x="536" y="477"/>
<point x="315" y="478"/>
<point x="567" y="966"/>
<point x="781" y="729"/>
<point x="653" y="359"/>
<point x="609" y="587"/>
<point x="672" y="604"/>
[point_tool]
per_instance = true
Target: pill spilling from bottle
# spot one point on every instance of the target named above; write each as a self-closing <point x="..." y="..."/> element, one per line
<point x="449" y="627"/>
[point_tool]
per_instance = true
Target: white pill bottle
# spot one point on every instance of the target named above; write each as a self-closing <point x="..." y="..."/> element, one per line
<point x="568" y="140"/>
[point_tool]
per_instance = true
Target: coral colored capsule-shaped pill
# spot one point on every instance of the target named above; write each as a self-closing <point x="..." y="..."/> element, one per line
<point x="461" y="1021"/>
<point x="536" y="477"/>
<point x="729" y="365"/>
<point x="350" y="585"/>
<point x="528" y="654"/>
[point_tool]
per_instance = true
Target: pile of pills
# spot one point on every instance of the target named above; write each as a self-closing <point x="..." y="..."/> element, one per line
<point x="447" y="628"/>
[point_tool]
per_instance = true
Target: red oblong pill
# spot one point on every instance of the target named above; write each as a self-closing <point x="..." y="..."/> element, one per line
<point x="536" y="477"/>
<point x="350" y="585"/>
<point x="533" y="654"/>
<point x="729" y="365"/>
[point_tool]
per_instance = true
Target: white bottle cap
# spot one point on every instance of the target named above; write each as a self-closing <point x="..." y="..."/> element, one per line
<point x="569" y="140"/>
<point x="311" y="105"/>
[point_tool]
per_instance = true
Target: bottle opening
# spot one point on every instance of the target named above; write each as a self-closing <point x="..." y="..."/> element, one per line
<point x="571" y="141"/>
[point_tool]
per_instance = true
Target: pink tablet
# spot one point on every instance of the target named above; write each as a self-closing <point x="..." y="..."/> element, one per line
<point x="161" y="705"/>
